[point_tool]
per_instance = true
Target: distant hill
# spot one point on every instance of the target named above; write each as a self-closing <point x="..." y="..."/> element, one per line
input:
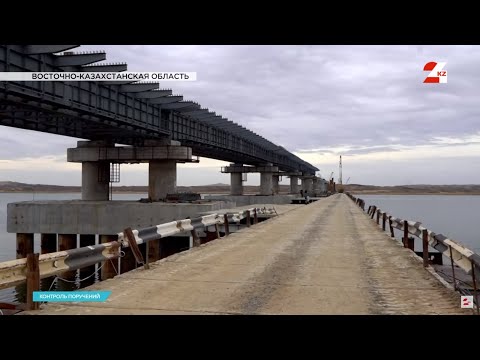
<point x="10" y="186"/>
<point x="413" y="189"/>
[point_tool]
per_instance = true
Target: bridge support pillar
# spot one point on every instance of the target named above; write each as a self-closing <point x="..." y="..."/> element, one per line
<point x="275" y="184"/>
<point x="294" y="188"/>
<point x="307" y="185"/>
<point x="162" y="179"/>
<point x="315" y="185"/>
<point x="95" y="180"/>
<point x="236" y="183"/>
<point x="266" y="183"/>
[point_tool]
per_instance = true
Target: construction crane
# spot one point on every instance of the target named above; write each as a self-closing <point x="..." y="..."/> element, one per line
<point x="347" y="181"/>
<point x="340" y="171"/>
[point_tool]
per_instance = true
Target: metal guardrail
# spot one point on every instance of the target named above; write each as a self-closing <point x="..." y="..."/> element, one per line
<point x="458" y="254"/>
<point x="14" y="272"/>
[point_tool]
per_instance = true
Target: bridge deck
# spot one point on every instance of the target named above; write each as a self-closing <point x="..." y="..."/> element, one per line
<point x="324" y="258"/>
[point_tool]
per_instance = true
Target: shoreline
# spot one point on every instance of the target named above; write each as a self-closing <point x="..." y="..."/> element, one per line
<point x="476" y="193"/>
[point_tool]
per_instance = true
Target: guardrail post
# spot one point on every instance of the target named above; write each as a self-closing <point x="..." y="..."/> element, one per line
<point x="411" y="243"/>
<point x="384" y="221"/>
<point x="153" y="250"/>
<point x="405" y="233"/>
<point x="33" y="280"/>
<point x="474" y="281"/>
<point x="128" y="233"/>
<point x="248" y="218"/>
<point x="226" y="225"/>
<point x="425" y="247"/>
<point x="390" y="222"/>
<point x="255" y="216"/>
<point x="196" y="238"/>
<point x="109" y="270"/>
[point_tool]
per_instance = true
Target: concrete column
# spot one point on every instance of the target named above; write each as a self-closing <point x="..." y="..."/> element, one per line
<point x="275" y="185"/>
<point x="266" y="183"/>
<point x="95" y="180"/>
<point x="303" y="184"/>
<point x="315" y="184"/>
<point x="309" y="185"/>
<point x="294" y="188"/>
<point x="162" y="179"/>
<point x="236" y="184"/>
<point x="24" y="245"/>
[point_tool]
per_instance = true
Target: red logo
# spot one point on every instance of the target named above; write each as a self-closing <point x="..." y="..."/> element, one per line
<point x="437" y="74"/>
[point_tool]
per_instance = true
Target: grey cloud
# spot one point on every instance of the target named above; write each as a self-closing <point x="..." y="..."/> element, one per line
<point x="309" y="97"/>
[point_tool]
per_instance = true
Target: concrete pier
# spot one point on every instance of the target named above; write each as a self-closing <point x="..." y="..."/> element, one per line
<point x="294" y="188"/>
<point x="275" y="184"/>
<point x="95" y="180"/>
<point x="266" y="183"/>
<point x="97" y="217"/>
<point x="307" y="185"/>
<point x="328" y="257"/>
<point x="162" y="179"/>
<point x="236" y="184"/>
<point x="96" y="156"/>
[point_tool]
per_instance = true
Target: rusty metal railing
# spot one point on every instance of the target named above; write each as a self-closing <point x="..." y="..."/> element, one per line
<point x="36" y="267"/>
<point x="458" y="254"/>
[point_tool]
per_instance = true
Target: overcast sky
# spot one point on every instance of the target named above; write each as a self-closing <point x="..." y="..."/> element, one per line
<point x="366" y="103"/>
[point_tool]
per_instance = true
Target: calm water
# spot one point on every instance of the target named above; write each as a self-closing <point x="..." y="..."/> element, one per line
<point x="455" y="216"/>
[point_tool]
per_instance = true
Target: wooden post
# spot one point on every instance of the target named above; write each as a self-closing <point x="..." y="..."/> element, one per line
<point x="128" y="233"/>
<point x="109" y="268"/>
<point x="405" y="233"/>
<point x="369" y="208"/>
<point x="411" y="243"/>
<point x="33" y="280"/>
<point x="390" y="222"/>
<point x="474" y="282"/>
<point x="217" y="232"/>
<point x="425" y="247"/>
<point x="196" y="238"/>
<point x="378" y="217"/>
<point x="248" y="218"/>
<point x="384" y="221"/>
<point x="226" y="225"/>
<point x="255" y="216"/>
<point x="24" y="245"/>
<point x="153" y="250"/>
<point x="374" y="208"/>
